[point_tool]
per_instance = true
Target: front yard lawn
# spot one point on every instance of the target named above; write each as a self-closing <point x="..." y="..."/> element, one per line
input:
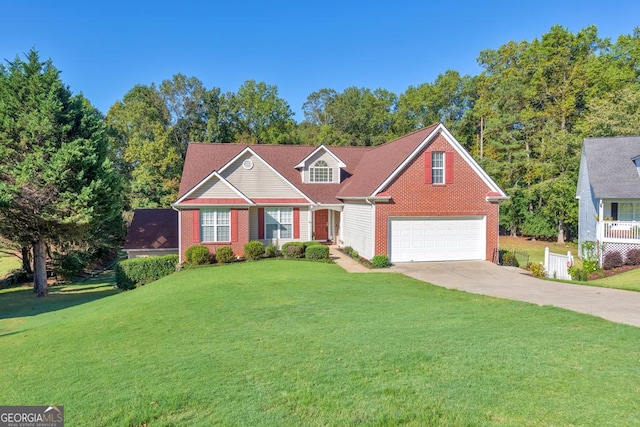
<point x="291" y="343"/>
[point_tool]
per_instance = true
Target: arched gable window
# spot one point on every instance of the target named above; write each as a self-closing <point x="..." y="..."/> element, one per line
<point x="321" y="172"/>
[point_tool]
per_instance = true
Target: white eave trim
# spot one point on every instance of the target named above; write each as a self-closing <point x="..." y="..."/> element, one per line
<point x="441" y="129"/>
<point x="369" y="198"/>
<point x="341" y="164"/>
<point x="207" y="178"/>
<point x="497" y="198"/>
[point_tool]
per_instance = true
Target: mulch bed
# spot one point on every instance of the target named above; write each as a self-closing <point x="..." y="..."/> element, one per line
<point x="607" y="273"/>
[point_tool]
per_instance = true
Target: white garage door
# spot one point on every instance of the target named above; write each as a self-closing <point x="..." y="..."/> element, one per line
<point x="438" y="239"/>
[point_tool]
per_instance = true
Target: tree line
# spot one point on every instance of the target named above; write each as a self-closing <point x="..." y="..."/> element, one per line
<point x="523" y="118"/>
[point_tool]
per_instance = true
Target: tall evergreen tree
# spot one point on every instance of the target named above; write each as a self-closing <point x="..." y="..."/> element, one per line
<point x="56" y="181"/>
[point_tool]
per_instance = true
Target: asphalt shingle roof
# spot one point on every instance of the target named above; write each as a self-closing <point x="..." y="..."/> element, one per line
<point x="612" y="171"/>
<point x="153" y="229"/>
<point x="366" y="167"/>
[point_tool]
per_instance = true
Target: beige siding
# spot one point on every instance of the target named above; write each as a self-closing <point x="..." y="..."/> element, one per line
<point x="331" y="162"/>
<point x="214" y="189"/>
<point x="357" y="229"/>
<point x="304" y="226"/>
<point x="259" y="181"/>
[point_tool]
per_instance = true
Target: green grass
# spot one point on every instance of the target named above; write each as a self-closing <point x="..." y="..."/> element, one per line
<point x="8" y="263"/>
<point x="629" y="280"/>
<point x="535" y="248"/>
<point x="291" y="343"/>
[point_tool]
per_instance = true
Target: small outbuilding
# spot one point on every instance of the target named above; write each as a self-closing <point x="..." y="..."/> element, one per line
<point x="153" y="232"/>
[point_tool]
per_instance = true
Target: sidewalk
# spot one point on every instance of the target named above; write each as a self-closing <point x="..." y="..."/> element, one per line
<point x="349" y="264"/>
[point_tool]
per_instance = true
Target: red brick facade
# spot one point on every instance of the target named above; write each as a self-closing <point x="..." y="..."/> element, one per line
<point x="412" y="196"/>
<point x="189" y="232"/>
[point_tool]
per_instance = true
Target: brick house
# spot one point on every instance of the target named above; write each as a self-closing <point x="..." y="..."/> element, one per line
<point x="421" y="197"/>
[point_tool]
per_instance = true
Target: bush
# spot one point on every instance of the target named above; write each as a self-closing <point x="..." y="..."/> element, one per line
<point x="271" y="251"/>
<point x="292" y="250"/>
<point x="633" y="257"/>
<point x="347" y="250"/>
<point x="355" y="254"/>
<point x="509" y="259"/>
<point x="536" y="269"/>
<point x="578" y="273"/>
<point x="311" y="243"/>
<point x="253" y="250"/>
<point x="380" y="261"/>
<point x="612" y="260"/>
<point x="70" y="264"/>
<point x="317" y="252"/>
<point x="131" y="273"/>
<point x="198" y="255"/>
<point x="224" y="254"/>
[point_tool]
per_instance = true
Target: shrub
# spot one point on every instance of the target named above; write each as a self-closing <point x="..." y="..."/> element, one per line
<point x="347" y="250"/>
<point x="70" y="264"/>
<point x="578" y="273"/>
<point x="317" y="252"/>
<point x="509" y="259"/>
<point x="354" y="254"/>
<point x="253" y="250"/>
<point x="198" y="255"/>
<point x="271" y="250"/>
<point x="536" y="269"/>
<point x="311" y="243"/>
<point x="131" y="273"/>
<point x="292" y="250"/>
<point x="612" y="260"/>
<point x="380" y="261"/>
<point x="224" y="254"/>
<point x="633" y="257"/>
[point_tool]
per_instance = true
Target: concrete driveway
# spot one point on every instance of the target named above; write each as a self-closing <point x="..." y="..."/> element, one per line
<point x="485" y="278"/>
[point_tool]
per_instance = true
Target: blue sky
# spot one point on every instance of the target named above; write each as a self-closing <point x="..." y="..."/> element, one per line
<point x="105" y="48"/>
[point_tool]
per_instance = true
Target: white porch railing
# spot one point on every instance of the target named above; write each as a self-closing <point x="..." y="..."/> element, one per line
<point x="557" y="265"/>
<point x="619" y="230"/>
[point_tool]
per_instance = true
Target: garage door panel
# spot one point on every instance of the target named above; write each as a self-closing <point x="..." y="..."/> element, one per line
<point x="437" y="239"/>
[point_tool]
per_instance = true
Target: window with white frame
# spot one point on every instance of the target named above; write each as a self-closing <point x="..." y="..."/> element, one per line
<point x="437" y="167"/>
<point x="278" y="223"/>
<point x="321" y="172"/>
<point x="215" y="225"/>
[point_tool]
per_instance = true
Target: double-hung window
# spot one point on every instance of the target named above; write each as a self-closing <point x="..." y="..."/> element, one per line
<point x="278" y="223"/>
<point x="215" y="225"/>
<point x="437" y="167"/>
<point x="321" y="172"/>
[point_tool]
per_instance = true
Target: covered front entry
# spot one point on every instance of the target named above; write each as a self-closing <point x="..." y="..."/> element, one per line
<point x="437" y="239"/>
<point x="321" y="225"/>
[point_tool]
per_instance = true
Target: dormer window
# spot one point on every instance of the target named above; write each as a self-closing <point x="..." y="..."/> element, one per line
<point x="321" y="172"/>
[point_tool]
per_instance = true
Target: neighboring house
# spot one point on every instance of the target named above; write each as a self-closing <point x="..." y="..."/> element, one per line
<point x="152" y="232"/>
<point x="421" y="197"/>
<point x="609" y="194"/>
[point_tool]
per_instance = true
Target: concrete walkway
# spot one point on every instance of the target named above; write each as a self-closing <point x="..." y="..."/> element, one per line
<point x="485" y="278"/>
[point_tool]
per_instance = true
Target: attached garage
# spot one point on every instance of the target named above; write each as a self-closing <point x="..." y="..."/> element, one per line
<point x="438" y="238"/>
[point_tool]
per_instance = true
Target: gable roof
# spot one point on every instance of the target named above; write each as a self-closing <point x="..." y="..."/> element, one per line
<point x="153" y="229"/>
<point x="611" y="170"/>
<point x="378" y="163"/>
<point x="365" y="169"/>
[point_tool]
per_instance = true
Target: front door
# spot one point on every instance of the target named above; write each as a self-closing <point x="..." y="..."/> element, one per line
<point x="321" y="225"/>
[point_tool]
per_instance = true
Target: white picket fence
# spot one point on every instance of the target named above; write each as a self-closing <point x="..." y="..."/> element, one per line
<point x="556" y="265"/>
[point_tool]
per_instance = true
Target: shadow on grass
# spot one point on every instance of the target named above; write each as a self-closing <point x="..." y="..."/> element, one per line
<point x="21" y="301"/>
